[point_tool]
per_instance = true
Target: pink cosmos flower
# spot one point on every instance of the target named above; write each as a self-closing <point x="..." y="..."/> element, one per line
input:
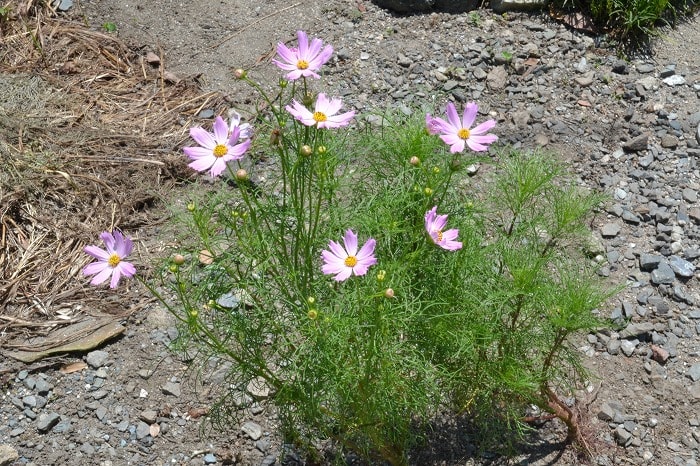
<point x="110" y="262"/>
<point x="305" y="60"/>
<point x="456" y="133"/>
<point x="217" y="148"/>
<point x="343" y="262"/>
<point x="435" y="224"/>
<point x="324" y="114"/>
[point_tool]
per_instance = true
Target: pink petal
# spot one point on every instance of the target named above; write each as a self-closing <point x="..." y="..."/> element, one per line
<point x="344" y="274"/>
<point x="338" y="250"/>
<point x="101" y="276"/>
<point x="218" y="167"/>
<point x="314" y="49"/>
<point x="303" y="44"/>
<point x="296" y="74"/>
<point x="285" y="66"/>
<point x="116" y="275"/>
<point x="450" y="234"/>
<point x="203" y="137"/>
<point x="95" y="268"/>
<point x="108" y="239"/>
<point x="483" y="127"/>
<point x="366" y="252"/>
<point x="97" y="253"/>
<point x="321" y="58"/>
<point x="197" y="152"/>
<point x="339" y="120"/>
<point x="127" y="269"/>
<point x="333" y="268"/>
<point x="475" y="146"/>
<point x="350" y="241"/>
<point x="453" y="118"/>
<point x="286" y="54"/>
<point x="202" y="164"/>
<point x="469" y="115"/>
<point x="220" y="130"/>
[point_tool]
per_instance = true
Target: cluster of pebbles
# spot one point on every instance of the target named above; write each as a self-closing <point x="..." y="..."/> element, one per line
<point x="630" y="128"/>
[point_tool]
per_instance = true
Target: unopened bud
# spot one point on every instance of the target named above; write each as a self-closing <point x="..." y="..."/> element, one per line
<point x="428" y="191"/>
<point x="173" y="268"/>
<point x="283" y="83"/>
<point x="178" y="259"/>
<point x="381" y="275"/>
<point x="240" y="73"/>
<point x="389" y="293"/>
<point x="436" y="170"/>
<point x="308" y="99"/>
<point x="415" y="161"/>
<point x="456" y="164"/>
<point x="312" y="314"/>
<point x="310" y="300"/>
<point x="321" y="149"/>
<point x="306" y="150"/>
<point x="276" y="137"/>
<point x="190" y="206"/>
<point x="241" y="174"/>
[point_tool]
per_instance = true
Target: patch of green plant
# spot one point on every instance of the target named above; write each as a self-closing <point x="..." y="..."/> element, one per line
<point x="109" y="27"/>
<point x="368" y="281"/>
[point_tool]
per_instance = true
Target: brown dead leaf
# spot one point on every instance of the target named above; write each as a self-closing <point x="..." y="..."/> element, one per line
<point x="73" y="367"/>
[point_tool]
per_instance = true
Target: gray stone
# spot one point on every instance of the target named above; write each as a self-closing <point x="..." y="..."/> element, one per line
<point x="47" y="421"/>
<point x="675" y="80"/>
<point x="8" y="455"/>
<point x="142" y="430"/>
<point x="644" y="68"/>
<point x="172" y="388"/>
<point x="610" y="230"/>
<point x="663" y="274"/>
<point x="613" y="347"/>
<point x="97" y="359"/>
<point x="209" y="458"/>
<point x="628" y="346"/>
<point x="252" y="430"/>
<point x="637" y="143"/>
<point x="609" y="411"/>
<point x="697" y="133"/>
<point x="694" y="372"/>
<point x="648" y="262"/>
<point x="681" y="267"/>
<point x="500" y="6"/>
<point x="497" y="78"/>
<point x="637" y="330"/>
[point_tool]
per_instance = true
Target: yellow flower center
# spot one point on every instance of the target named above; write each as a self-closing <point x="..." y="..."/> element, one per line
<point x="320" y="117"/>
<point x="439" y="235"/>
<point x="463" y="133"/>
<point x="114" y="260"/>
<point x="220" y="150"/>
<point x="302" y="64"/>
<point x="350" y="261"/>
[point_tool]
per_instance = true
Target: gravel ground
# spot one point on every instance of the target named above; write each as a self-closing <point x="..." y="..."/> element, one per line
<point x="628" y="127"/>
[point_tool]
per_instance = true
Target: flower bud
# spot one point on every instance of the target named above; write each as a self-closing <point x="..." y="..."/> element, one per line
<point x="190" y="206"/>
<point x="173" y="268"/>
<point x="381" y="275"/>
<point x="436" y="170"/>
<point x="415" y="161"/>
<point x="178" y="259"/>
<point x="312" y="314"/>
<point x="194" y="313"/>
<point x="428" y="191"/>
<point x="456" y="164"/>
<point x="389" y="293"/>
<point x="308" y="99"/>
<point x="310" y="300"/>
<point x="283" y="83"/>
<point x="321" y="149"/>
<point x="276" y="137"/>
<point x="240" y="73"/>
<point x="241" y="175"/>
<point x="306" y="150"/>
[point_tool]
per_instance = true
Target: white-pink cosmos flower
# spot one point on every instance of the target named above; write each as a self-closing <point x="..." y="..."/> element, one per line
<point x="110" y="262"/>
<point x="245" y="128"/>
<point x="305" y="60"/>
<point x="435" y="226"/>
<point x="324" y="114"/>
<point x="217" y="148"/>
<point x="457" y="132"/>
<point x="344" y="261"/>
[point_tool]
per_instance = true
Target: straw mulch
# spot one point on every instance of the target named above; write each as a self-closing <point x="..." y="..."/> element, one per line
<point x="90" y="137"/>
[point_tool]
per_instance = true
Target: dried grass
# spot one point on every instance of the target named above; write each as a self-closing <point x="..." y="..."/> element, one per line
<point x="89" y="140"/>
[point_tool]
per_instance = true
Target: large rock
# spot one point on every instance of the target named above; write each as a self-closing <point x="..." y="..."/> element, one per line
<point x="414" y="6"/>
<point x="405" y="6"/>
<point x="499" y="6"/>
